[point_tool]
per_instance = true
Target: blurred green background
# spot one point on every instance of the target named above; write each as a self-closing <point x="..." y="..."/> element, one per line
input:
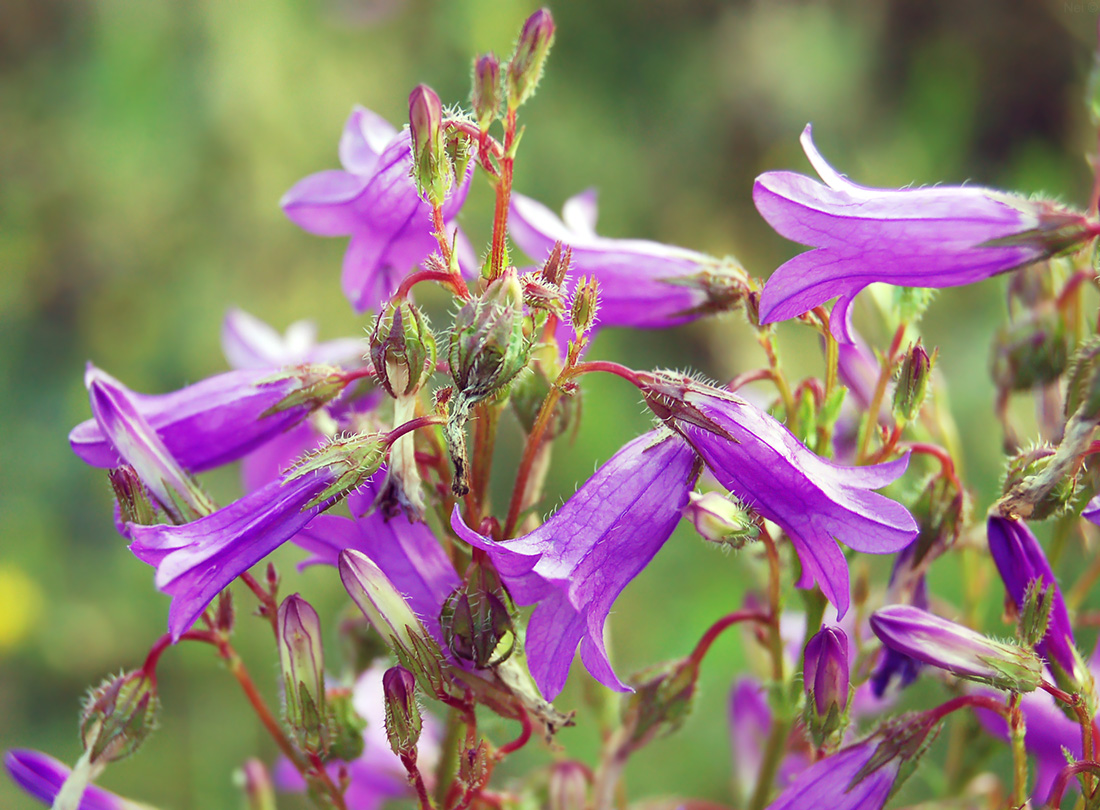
<point x="144" y="145"/>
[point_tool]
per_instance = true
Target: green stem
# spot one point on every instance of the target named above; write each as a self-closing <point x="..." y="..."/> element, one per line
<point x="773" y="756"/>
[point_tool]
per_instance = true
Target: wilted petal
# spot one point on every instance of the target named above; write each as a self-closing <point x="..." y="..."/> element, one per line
<point x="577" y="563"/>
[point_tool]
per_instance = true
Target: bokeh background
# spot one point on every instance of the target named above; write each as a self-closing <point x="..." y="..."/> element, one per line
<point x="144" y="145"/>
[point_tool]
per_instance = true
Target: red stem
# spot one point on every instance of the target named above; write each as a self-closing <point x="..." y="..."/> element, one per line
<point x="521" y="740"/>
<point x="946" y="462"/>
<point x="446" y="278"/>
<point x="504" y="195"/>
<point x="1061" y="782"/>
<point x="973" y="701"/>
<point x="410" y="426"/>
<point x="749" y="377"/>
<point x="606" y="365"/>
<point x="720" y="626"/>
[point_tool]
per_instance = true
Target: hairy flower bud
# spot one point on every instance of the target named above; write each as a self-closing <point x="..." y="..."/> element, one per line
<point x="303" y="665"/>
<point x="586" y="302"/>
<point x="525" y="67"/>
<point x="1083" y="384"/>
<point x="957" y="649"/>
<point x="568" y="786"/>
<point x="345" y="726"/>
<point x="134" y="505"/>
<point x="663" y="698"/>
<point x="1031" y="352"/>
<point x="719" y="519"/>
<point x="350" y="459"/>
<point x="826" y="681"/>
<point x="916" y="369"/>
<point x="403" y="724"/>
<point x="118" y="715"/>
<point x="475" y="620"/>
<point x="486" y="94"/>
<point x="431" y="168"/>
<point x="393" y="619"/>
<point x="402" y="349"/>
<point x="1031" y="464"/>
<point x="556" y="267"/>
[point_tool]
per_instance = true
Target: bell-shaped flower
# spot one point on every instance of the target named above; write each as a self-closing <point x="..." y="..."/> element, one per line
<point x="814" y="501"/>
<point x="374" y="201"/>
<point x="839" y="782"/>
<point x="197" y="560"/>
<point x="1021" y="562"/>
<point x="577" y="563"/>
<point x="219" y="419"/>
<point x="248" y="342"/>
<point x="42" y="776"/>
<point x="941" y="236"/>
<point x="643" y="284"/>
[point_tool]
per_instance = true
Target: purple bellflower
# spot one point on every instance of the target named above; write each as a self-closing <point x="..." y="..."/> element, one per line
<point x="942" y="236"/>
<point x="837" y="782"/>
<point x="218" y="420"/>
<point x="576" y="564"/>
<point x="643" y="284"/>
<point x="750" y="723"/>
<point x="197" y="560"/>
<point x="42" y="777"/>
<point x="1020" y="561"/>
<point x="826" y="671"/>
<point x="896" y="670"/>
<point x="248" y="342"/>
<point x="374" y="201"/>
<point x="814" y="501"/>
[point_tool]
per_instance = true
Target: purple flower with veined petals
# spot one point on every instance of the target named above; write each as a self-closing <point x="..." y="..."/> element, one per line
<point x="831" y="782"/>
<point x="942" y="236"/>
<point x="374" y="201"/>
<point x="215" y="421"/>
<point x="42" y="777"/>
<point x="248" y="342"/>
<point x="1020" y="561"/>
<point x="816" y="502"/>
<point x="577" y="563"/>
<point x="643" y="284"/>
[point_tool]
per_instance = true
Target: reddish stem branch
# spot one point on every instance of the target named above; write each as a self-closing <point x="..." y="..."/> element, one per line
<point x="521" y="740"/>
<point x="504" y="195"/>
<point x="446" y="278"/>
<point x="946" y="462"/>
<point x="1061" y="782"/>
<point x="720" y="626"/>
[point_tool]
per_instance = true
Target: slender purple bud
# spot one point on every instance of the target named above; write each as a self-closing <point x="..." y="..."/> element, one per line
<point x="525" y="68"/>
<point x="403" y="723"/>
<point x="912" y="384"/>
<point x="957" y="649"/>
<point x="431" y="169"/>
<point x="486" y="94"/>
<point x="303" y="664"/>
<point x="826" y="670"/>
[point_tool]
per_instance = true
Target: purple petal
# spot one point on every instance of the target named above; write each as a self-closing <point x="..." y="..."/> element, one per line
<point x="42" y="777"/>
<point x="324" y="203"/>
<point x="366" y="135"/>
<point x="577" y="563"/>
<point x="828" y="782"/>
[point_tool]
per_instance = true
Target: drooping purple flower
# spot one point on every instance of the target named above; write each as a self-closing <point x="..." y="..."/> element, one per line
<point x="377" y="775"/>
<point x="956" y="648"/>
<point x="219" y="419"/>
<point x="836" y="782"/>
<point x="942" y="236"/>
<point x="643" y="284"/>
<point x="816" y="502"/>
<point x="248" y="342"/>
<point x="576" y="564"/>
<point x="1020" y="561"/>
<point x="197" y="560"/>
<point x="42" y="777"/>
<point x="374" y="201"/>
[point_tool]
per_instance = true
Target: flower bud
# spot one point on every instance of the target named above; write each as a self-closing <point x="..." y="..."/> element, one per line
<point x="556" y="267"/>
<point x="568" y="786"/>
<point x="393" y="619"/>
<point x="403" y="722"/>
<point x="1083" y="383"/>
<point x="957" y="649"/>
<point x="431" y="169"/>
<point x="309" y="385"/>
<point x="1031" y="352"/>
<point x="1031" y="464"/>
<point x="719" y="519"/>
<point x="117" y="716"/>
<point x="134" y="505"/>
<point x="912" y="382"/>
<point x="525" y="68"/>
<point x="345" y="726"/>
<point x="303" y="663"/>
<point x="826" y="681"/>
<point x="351" y="459"/>
<point x="586" y="303"/>
<point x="475" y="620"/>
<point x="526" y="398"/>
<point x="663" y="698"/>
<point x="486" y="94"/>
<point x="487" y="347"/>
<point x="402" y="349"/>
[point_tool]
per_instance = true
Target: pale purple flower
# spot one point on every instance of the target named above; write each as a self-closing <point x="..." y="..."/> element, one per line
<point x="576" y="564"/>
<point x="836" y="782"/>
<point x="377" y="775"/>
<point x="212" y="422"/>
<point x="248" y="342"/>
<point x="814" y="501"/>
<point x="895" y="670"/>
<point x="941" y="236"/>
<point x="197" y="560"/>
<point x="374" y="201"/>
<point x="956" y="648"/>
<point x="42" y="777"/>
<point x="643" y="284"/>
<point x="750" y="724"/>
<point x="1020" y="561"/>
